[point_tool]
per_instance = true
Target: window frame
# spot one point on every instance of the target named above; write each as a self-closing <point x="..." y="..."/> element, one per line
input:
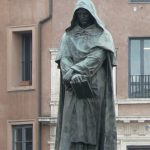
<point x="135" y="147"/>
<point x="11" y="123"/>
<point x="23" y="135"/>
<point x="137" y="2"/>
<point x="141" y="59"/>
<point x="14" y="81"/>
<point x="26" y="76"/>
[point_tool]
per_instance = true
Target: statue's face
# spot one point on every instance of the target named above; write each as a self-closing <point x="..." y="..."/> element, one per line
<point x="84" y="17"/>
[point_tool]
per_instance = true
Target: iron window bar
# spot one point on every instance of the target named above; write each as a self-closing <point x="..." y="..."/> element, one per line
<point x="139" y="86"/>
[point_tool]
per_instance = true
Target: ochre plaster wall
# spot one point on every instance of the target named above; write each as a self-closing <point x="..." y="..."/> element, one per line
<point x="23" y="104"/>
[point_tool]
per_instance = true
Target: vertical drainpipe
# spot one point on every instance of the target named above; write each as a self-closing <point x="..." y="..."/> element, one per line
<point x="40" y="23"/>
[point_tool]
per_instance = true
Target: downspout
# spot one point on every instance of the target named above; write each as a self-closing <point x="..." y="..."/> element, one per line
<point x="40" y="24"/>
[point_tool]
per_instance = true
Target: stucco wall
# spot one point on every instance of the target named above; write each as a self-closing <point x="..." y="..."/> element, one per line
<point x="22" y="105"/>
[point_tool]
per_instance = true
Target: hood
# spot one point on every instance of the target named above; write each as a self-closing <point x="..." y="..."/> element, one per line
<point x="105" y="39"/>
<point x="88" y="5"/>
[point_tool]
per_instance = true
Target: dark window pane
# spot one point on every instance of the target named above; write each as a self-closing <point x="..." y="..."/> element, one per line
<point x="138" y="147"/>
<point x="26" y="56"/>
<point x="136" y="1"/>
<point x="18" y="146"/>
<point x="29" y="146"/>
<point x="18" y="134"/>
<point x="29" y="134"/>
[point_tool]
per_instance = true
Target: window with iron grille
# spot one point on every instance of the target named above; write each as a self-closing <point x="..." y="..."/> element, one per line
<point x="139" y="1"/>
<point x="27" y="57"/>
<point x="139" y="67"/>
<point x="146" y="147"/>
<point x="22" y="137"/>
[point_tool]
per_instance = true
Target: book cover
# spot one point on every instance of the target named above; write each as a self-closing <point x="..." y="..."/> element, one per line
<point x="83" y="89"/>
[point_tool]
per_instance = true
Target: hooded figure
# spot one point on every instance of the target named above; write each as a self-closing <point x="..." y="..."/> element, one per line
<point x="86" y="52"/>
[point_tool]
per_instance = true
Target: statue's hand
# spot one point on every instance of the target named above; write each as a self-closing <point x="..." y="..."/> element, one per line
<point x="67" y="77"/>
<point x="77" y="78"/>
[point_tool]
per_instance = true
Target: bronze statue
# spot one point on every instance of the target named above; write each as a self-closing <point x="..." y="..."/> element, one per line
<point x="86" y="117"/>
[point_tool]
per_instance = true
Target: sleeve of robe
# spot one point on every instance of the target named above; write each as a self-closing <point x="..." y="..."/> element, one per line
<point x="90" y="65"/>
<point x="65" y="56"/>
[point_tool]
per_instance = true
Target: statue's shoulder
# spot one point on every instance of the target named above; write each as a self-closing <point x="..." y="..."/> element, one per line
<point x="65" y="36"/>
<point x="107" y="33"/>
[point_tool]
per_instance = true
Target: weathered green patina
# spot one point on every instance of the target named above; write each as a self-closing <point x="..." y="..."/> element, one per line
<point x="86" y="123"/>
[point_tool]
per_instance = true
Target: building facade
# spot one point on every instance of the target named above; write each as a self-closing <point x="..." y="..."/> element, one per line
<point x="128" y="21"/>
<point x="30" y="33"/>
<point x="25" y="38"/>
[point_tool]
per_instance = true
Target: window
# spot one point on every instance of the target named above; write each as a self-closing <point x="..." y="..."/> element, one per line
<point x="22" y="137"/>
<point x="139" y="1"/>
<point x="138" y="147"/>
<point x="21" y="58"/>
<point x="27" y="57"/>
<point x="139" y="64"/>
